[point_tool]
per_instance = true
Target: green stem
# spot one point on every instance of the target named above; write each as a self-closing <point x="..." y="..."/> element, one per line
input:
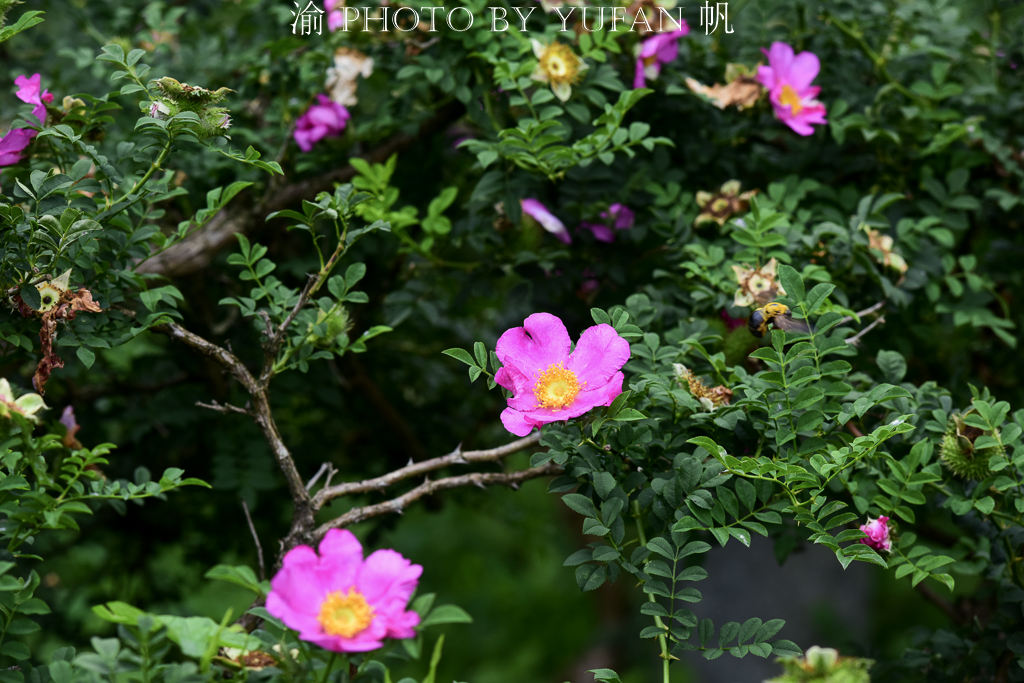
<point x="153" y="167"/>
<point x="330" y="665"/>
<point x="876" y="59"/>
<point x="662" y="640"/>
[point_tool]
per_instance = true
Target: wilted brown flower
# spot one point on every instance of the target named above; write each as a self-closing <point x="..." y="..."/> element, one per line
<point x="718" y="207"/>
<point x="709" y="397"/>
<point x="757" y="285"/>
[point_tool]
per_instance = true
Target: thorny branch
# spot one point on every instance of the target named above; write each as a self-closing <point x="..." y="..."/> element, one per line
<point x="398" y="504"/>
<point x="860" y="314"/>
<point x="456" y="457"/>
<point x="306" y="506"/>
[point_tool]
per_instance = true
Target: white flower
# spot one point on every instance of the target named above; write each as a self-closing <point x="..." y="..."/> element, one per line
<point x="349" y="65"/>
<point x="558" y="65"/>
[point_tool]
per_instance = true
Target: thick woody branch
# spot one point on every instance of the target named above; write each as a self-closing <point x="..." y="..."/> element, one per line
<point x="260" y="410"/>
<point x="197" y="250"/>
<point x="398" y="505"/>
<point x="456" y="457"/>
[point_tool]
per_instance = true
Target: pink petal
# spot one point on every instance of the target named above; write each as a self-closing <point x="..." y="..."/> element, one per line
<point x="28" y="88"/>
<point x="598" y="356"/>
<point x="538" y="212"/>
<point x="780" y="57"/>
<point x="602" y="233"/>
<point x="638" y="78"/>
<point x="516" y="422"/>
<point x="387" y="578"/>
<point x="766" y="76"/>
<point x="541" y="342"/>
<point x="803" y="70"/>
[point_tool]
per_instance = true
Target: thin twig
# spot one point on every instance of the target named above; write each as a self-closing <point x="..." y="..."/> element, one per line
<point x="224" y="408"/>
<point x="860" y="314"/>
<point x="857" y="337"/>
<point x="256" y="538"/>
<point x="323" y="468"/>
<point x="397" y="505"/>
<point x="456" y="457"/>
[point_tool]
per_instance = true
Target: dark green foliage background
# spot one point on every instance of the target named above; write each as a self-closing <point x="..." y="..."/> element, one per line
<point x="498" y="554"/>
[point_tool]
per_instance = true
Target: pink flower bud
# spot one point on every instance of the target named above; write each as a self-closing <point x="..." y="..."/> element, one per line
<point x="878" y="534"/>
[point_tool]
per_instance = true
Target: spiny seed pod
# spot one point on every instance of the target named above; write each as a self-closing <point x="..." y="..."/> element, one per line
<point x="338" y="323"/>
<point x="190" y="95"/>
<point x="958" y="452"/>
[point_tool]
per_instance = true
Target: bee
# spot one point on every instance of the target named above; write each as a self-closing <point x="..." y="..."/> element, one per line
<point x="778" y="315"/>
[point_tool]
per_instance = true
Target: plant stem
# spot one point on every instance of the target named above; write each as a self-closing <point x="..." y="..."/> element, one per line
<point x="876" y="59"/>
<point x="662" y="640"/>
<point x="153" y="167"/>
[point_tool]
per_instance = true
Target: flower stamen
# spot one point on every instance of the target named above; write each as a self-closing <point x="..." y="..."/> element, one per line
<point x="345" y="614"/>
<point x="556" y="387"/>
<point x="790" y="98"/>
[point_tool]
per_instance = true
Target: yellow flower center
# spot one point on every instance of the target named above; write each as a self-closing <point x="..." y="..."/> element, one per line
<point x="560" y="63"/>
<point x="789" y="97"/>
<point x="344" y="614"/>
<point x="556" y="387"/>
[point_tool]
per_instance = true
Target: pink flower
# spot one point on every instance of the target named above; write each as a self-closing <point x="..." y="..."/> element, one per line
<point x="732" y="323"/>
<point x="538" y="212"/>
<point x="335" y="18"/>
<point x="342" y="602"/>
<point x="618" y="216"/>
<point x="324" y="120"/>
<point x="788" y="80"/>
<point x="655" y="51"/>
<point x="621" y="216"/>
<point x="878" y="534"/>
<point x="29" y="92"/>
<point x="550" y="384"/>
<point x="13" y="144"/>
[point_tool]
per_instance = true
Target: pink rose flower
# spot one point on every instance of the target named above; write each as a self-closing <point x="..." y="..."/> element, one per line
<point x="618" y="216"/>
<point x="788" y="81"/>
<point x="29" y="92"/>
<point x="324" y="120"/>
<point x="342" y="602"/>
<point x="657" y="50"/>
<point x="538" y="212"/>
<point x="621" y="216"/>
<point x="335" y="18"/>
<point x="13" y="144"/>
<point x="732" y="323"/>
<point x="878" y="534"/>
<point x="550" y="384"/>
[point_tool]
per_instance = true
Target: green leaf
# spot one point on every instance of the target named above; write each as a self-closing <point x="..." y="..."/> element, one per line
<point x="86" y="356"/>
<point x="792" y="283"/>
<point x="238" y="575"/>
<point x="446" y="614"/>
<point x="892" y="364"/>
<point x="580" y="503"/>
<point x="30" y="295"/>
<point x="460" y="354"/>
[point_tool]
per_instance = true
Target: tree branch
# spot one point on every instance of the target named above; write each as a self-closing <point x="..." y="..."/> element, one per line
<point x="196" y="251"/>
<point x="397" y="505"/>
<point x="260" y="411"/>
<point x="857" y="337"/>
<point x="456" y="457"/>
<point x="867" y="311"/>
